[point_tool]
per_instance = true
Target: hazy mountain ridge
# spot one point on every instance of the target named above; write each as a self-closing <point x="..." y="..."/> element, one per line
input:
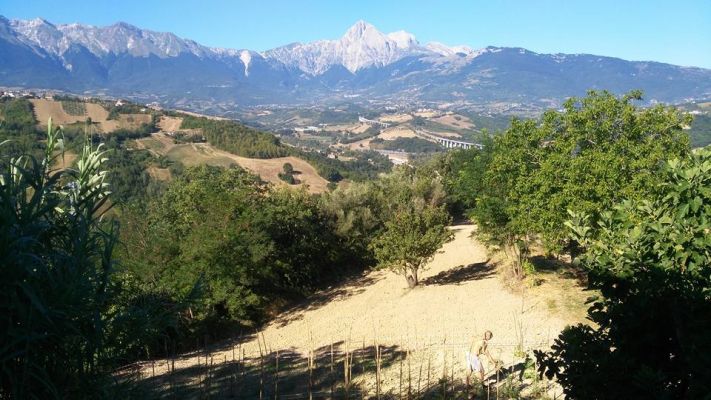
<point x="122" y="59"/>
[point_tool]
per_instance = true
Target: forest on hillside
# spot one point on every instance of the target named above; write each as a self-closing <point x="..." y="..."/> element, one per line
<point x="105" y="266"/>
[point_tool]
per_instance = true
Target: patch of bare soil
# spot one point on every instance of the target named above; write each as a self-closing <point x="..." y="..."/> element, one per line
<point x="169" y="124"/>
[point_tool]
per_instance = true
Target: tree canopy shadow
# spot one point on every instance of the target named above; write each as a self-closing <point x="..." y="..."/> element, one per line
<point x="333" y="372"/>
<point x="461" y="274"/>
<point x="562" y="268"/>
<point x="285" y="374"/>
<point x="351" y="287"/>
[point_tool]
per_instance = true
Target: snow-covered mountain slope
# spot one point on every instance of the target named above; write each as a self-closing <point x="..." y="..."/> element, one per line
<point x="364" y="63"/>
<point x="360" y="47"/>
<point x="100" y="41"/>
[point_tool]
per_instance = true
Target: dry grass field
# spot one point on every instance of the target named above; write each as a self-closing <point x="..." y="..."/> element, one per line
<point x="431" y="327"/>
<point x="192" y="154"/>
<point x="396" y="118"/>
<point x="455" y="121"/>
<point x="45" y="108"/>
<point x="396" y="132"/>
<point x="169" y="124"/>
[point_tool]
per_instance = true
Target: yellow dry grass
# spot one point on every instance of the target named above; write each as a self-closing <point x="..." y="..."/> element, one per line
<point x="455" y="121"/>
<point x="268" y="169"/>
<point x="396" y="118"/>
<point x="169" y="124"/>
<point x="359" y="145"/>
<point x="396" y="132"/>
<point x="460" y="297"/>
<point x="45" y="108"/>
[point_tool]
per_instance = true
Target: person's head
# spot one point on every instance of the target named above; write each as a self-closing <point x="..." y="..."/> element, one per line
<point x="488" y="335"/>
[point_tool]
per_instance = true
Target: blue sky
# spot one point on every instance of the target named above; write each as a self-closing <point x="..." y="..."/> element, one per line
<point x="677" y="32"/>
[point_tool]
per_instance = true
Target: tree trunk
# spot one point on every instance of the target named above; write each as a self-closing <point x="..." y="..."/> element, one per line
<point x="412" y="278"/>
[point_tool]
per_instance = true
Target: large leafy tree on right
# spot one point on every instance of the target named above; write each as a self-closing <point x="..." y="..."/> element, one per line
<point x="651" y="261"/>
<point x="598" y="150"/>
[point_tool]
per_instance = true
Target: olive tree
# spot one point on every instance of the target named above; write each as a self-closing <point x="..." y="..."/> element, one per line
<point x="410" y="240"/>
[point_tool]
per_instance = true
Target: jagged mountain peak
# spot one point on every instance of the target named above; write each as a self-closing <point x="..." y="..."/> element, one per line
<point x="362" y="46"/>
<point x="359" y="28"/>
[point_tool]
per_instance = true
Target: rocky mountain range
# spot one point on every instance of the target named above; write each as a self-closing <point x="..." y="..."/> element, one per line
<point x="123" y="60"/>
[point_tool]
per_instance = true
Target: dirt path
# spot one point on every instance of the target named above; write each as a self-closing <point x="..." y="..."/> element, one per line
<point x="460" y="297"/>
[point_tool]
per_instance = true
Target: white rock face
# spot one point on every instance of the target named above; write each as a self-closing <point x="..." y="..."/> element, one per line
<point x="362" y="46"/>
<point x="117" y="39"/>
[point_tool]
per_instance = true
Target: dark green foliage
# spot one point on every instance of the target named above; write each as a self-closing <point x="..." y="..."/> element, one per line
<point x="17" y="124"/>
<point x="62" y="325"/>
<point x="127" y="173"/>
<point x="17" y="115"/>
<point x="700" y="132"/>
<point x="463" y="174"/>
<point x="364" y="165"/>
<point x="410" y="240"/>
<point x="288" y="174"/>
<point x="249" y="246"/>
<point x="288" y="178"/>
<point x="598" y="150"/>
<point x="359" y="212"/>
<point x="651" y="261"/>
<point x="236" y="138"/>
<point x="125" y="108"/>
<point x="409" y="145"/>
<point x="288" y="168"/>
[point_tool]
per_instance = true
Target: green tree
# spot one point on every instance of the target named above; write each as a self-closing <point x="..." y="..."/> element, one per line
<point x="410" y="240"/>
<point x="651" y="261"/>
<point x="288" y="168"/>
<point x="598" y="150"/>
<point x="247" y="244"/>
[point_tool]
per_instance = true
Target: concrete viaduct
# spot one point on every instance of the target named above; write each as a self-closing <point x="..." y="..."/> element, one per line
<point x="448" y="143"/>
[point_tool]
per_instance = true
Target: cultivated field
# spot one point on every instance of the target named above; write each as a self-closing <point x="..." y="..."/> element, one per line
<point x="45" y="108"/>
<point x="169" y="124"/>
<point x="191" y="154"/>
<point x="396" y="118"/>
<point x="421" y="334"/>
<point x="455" y="121"/>
<point x="396" y="132"/>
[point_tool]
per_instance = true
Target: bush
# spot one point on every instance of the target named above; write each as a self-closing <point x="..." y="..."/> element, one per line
<point x="651" y="261"/>
<point x="62" y="326"/>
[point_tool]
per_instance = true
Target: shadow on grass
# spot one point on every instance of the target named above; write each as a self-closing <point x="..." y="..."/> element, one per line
<point x="283" y="375"/>
<point x="341" y="291"/>
<point x="287" y="375"/>
<point x="462" y="274"/>
<point x="561" y="268"/>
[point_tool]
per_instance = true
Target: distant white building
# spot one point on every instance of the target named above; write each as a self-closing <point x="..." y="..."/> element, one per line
<point x="119" y="103"/>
